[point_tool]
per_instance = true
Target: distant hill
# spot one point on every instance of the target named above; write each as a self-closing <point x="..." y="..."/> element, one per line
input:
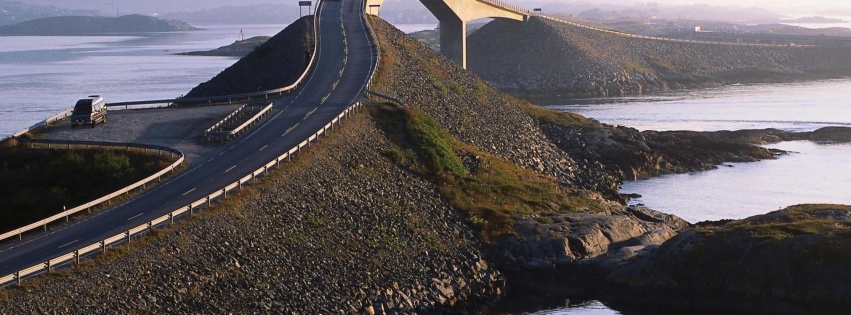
<point x="94" y="25"/>
<point x="243" y="14"/>
<point x="12" y="12"/>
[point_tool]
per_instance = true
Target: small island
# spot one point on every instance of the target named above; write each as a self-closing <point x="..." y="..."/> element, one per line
<point x="240" y="48"/>
<point x="94" y="25"/>
<point x="817" y="20"/>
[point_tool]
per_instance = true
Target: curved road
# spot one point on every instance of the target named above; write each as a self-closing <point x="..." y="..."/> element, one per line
<point x="344" y="65"/>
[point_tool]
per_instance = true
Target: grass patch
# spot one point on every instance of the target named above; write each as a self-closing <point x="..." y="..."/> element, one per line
<point x="559" y="118"/>
<point x="810" y="219"/>
<point x="661" y="65"/>
<point x="492" y="192"/>
<point x="631" y="67"/>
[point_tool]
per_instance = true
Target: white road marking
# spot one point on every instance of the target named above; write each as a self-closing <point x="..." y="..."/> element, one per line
<point x="231" y="168"/>
<point x="310" y="113"/>
<point x="264" y="147"/>
<point x="68" y="244"/>
<point x="211" y="159"/>
<point x="186" y="193"/>
<point x="138" y="215"/>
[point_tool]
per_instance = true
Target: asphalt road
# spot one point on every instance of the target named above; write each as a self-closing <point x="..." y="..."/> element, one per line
<point x="339" y="79"/>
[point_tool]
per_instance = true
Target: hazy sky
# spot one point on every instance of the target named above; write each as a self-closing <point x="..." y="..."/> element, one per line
<point x="823" y="7"/>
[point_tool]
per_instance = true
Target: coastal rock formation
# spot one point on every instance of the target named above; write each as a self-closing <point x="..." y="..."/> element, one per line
<point x="791" y="261"/>
<point x="500" y="125"/>
<point x="547" y="61"/>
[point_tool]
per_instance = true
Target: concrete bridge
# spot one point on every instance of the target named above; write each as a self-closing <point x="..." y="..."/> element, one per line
<point x="454" y="16"/>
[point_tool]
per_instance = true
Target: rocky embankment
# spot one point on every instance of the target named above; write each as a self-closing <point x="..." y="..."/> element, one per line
<point x="95" y="25"/>
<point x="340" y="230"/>
<point x="260" y="70"/>
<point x="548" y="61"/>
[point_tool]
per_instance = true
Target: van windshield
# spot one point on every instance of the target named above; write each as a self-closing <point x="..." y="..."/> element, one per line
<point x="83" y="107"/>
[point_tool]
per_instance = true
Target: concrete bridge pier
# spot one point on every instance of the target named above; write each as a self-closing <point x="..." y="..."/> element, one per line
<point x="453" y="41"/>
<point x="454" y="15"/>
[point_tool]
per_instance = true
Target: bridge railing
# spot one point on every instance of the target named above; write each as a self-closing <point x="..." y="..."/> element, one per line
<point x="624" y="34"/>
<point x="507" y="6"/>
<point x="127" y="236"/>
<point x="67" y="144"/>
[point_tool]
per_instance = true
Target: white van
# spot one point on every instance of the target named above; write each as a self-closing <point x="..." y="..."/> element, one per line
<point x="89" y="111"/>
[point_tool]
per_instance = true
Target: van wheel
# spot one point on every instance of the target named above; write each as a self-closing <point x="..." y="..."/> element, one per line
<point x="93" y="123"/>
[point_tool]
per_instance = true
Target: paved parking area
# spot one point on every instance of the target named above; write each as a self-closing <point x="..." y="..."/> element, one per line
<point x="180" y="128"/>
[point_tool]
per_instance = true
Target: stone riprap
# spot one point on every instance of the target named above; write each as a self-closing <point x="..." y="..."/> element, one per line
<point x="341" y="230"/>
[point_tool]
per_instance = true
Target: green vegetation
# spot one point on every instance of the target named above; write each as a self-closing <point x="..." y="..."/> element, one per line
<point x="631" y="67"/>
<point x="559" y="118"/>
<point x="35" y="184"/>
<point x="811" y="219"/>
<point x="661" y="65"/>
<point x="486" y="188"/>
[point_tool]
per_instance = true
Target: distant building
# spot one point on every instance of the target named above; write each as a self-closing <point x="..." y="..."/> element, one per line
<point x="697" y="29"/>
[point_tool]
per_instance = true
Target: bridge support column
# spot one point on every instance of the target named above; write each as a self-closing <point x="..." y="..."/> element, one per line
<point x="454" y="15"/>
<point x="453" y="41"/>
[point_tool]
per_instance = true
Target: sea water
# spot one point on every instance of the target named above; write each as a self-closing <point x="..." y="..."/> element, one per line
<point x="43" y="75"/>
<point x="810" y="173"/>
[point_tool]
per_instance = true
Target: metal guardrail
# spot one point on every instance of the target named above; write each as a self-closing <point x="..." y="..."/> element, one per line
<point x="43" y="123"/>
<point x="211" y="132"/>
<point x="102" y="246"/>
<point x="244" y="97"/>
<point x="376" y="49"/>
<point x="66" y="144"/>
<point x="619" y="33"/>
<point x="507" y="6"/>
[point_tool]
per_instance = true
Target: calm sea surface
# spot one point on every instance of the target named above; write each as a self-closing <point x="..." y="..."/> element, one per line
<point x="43" y="75"/>
<point x="812" y="173"/>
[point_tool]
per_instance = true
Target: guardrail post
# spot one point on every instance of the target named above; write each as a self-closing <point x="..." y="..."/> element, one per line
<point x="45" y="226"/>
<point x="76" y="257"/>
<point x="265" y="169"/>
<point x="128" y="236"/>
<point x="103" y="247"/>
<point x="224" y="193"/>
<point x="150" y="227"/>
<point x="47" y="266"/>
<point x="239" y="184"/>
<point x="170" y="219"/>
<point x="191" y="211"/>
<point x="208" y="200"/>
<point x="18" y="278"/>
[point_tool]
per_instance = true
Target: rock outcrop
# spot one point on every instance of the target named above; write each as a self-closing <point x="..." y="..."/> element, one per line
<point x="548" y="61"/>
<point x="791" y="261"/>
